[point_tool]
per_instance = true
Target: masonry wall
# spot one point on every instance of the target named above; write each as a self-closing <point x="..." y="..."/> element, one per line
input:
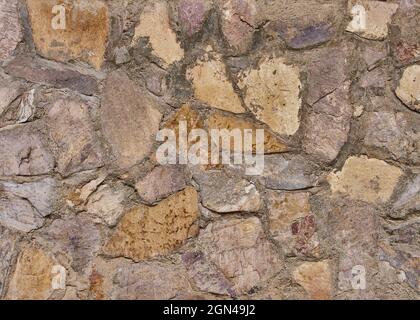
<point x="88" y="212"/>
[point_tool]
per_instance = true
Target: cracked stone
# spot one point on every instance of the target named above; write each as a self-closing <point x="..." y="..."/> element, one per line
<point x="315" y="278"/>
<point x="10" y="30"/>
<point x="8" y="248"/>
<point x="409" y="88"/>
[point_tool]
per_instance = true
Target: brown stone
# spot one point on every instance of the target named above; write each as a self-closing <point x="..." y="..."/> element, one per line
<point x="315" y="278"/>
<point x="409" y="88"/>
<point x="84" y="36"/>
<point x="145" y="232"/>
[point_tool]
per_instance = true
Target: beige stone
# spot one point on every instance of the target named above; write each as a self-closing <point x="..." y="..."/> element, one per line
<point x="33" y="276"/>
<point x="370" y="180"/>
<point x="84" y="36"/>
<point x="409" y="87"/>
<point x="315" y="278"/>
<point x="371" y="18"/>
<point x="212" y="86"/>
<point x="155" y="25"/>
<point x="145" y="232"/>
<point x="272" y="92"/>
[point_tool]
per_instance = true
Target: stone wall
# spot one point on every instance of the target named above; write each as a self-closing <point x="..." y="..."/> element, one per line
<point x="86" y="210"/>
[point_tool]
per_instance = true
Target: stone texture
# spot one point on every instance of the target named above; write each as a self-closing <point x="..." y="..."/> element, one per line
<point x="8" y="244"/>
<point x="155" y="25"/>
<point x="409" y="199"/>
<point x="370" y="180"/>
<point x="130" y="119"/>
<point x="10" y="34"/>
<point x="212" y="86"/>
<point x="9" y="91"/>
<point x="145" y="232"/>
<point x="161" y="182"/>
<point x="23" y="151"/>
<point x="59" y="76"/>
<point x="238" y="248"/>
<point x="272" y="93"/>
<point x="225" y="194"/>
<point x="84" y="36"/>
<point x="73" y="133"/>
<point x="315" y="278"/>
<point x="191" y="15"/>
<point x="371" y="18"/>
<point x="409" y="88"/>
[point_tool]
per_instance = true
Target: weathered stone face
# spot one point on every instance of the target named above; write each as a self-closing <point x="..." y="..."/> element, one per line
<point x="8" y="244"/>
<point x="192" y="14"/>
<point x="409" y="88"/>
<point x="145" y="232"/>
<point x="83" y="36"/>
<point x="315" y="278"/>
<point x="10" y="34"/>
<point x="273" y="95"/>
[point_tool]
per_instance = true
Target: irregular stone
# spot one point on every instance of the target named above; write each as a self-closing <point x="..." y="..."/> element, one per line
<point x="373" y="79"/>
<point x="238" y="248"/>
<point x="23" y="151"/>
<point x="107" y="203"/>
<point x="371" y="18"/>
<point x="8" y="244"/>
<point x="32" y="277"/>
<point x="205" y="275"/>
<point x="191" y="15"/>
<point x="82" y="35"/>
<point x="315" y="278"/>
<point x="129" y="118"/>
<point x="146" y="232"/>
<point x="285" y="172"/>
<point x="10" y="30"/>
<point x="27" y="107"/>
<point x="272" y="144"/>
<point x="121" y="55"/>
<point x="238" y="23"/>
<point x="394" y="132"/>
<point x="72" y="131"/>
<point x="328" y="125"/>
<point x="291" y="223"/>
<point x="77" y="238"/>
<point x="49" y="73"/>
<point x="409" y="88"/>
<point x="155" y="25"/>
<point x="365" y="179"/>
<point x="406" y="52"/>
<point x="272" y="93"/>
<point x="373" y="54"/>
<point x="161" y="182"/>
<point x="9" y="91"/>
<point x="409" y="199"/>
<point x="212" y="86"/>
<point x="226" y="194"/>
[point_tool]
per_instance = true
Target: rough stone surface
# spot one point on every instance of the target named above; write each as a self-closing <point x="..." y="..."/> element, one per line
<point x="273" y="95"/>
<point x="409" y="88"/>
<point x="10" y="34"/>
<point x="129" y="118"/>
<point x="8" y="244"/>
<point x="84" y="36"/>
<point x="192" y="14"/>
<point x="315" y="278"/>
<point x="145" y="232"/>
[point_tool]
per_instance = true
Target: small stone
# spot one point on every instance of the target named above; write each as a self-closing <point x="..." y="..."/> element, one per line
<point x="192" y="14"/>
<point x="371" y="18"/>
<point x="9" y="91"/>
<point x="155" y="25"/>
<point x="56" y="75"/>
<point x="373" y="54"/>
<point x="160" y="183"/>
<point x="409" y="88"/>
<point x="32" y="277"/>
<point x="239" y="249"/>
<point x="121" y="55"/>
<point x="212" y="86"/>
<point x="239" y="23"/>
<point x="365" y="179"/>
<point x="272" y="93"/>
<point x="146" y="232"/>
<point x="409" y="199"/>
<point x="73" y="133"/>
<point x="284" y="172"/>
<point x="225" y="194"/>
<point x="27" y="107"/>
<point x="315" y="278"/>
<point x="373" y="79"/>
<point x="83" y="35"/>
<point x="10" y="29"/>
<point x="272" y="144"/>
<point x="406" y="52"/>
<point x="23" y="151"/>
<point x="8" y="246"/>
<point x="107" y="203"/>
<point x="129" y="118"/>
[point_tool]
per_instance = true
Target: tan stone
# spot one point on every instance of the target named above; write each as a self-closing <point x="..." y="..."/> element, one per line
<point x="212" y="86"/>
<point x="315" y="278"/>
<point x="272" y="93"/>
<point x="155" y="25"/>
<point x="33" y="276"/>
<point x="85" y="34"/>
<point x="271" y="143"/>
<point x="371" y="18"/>
<point x="145" y="232"/>
<point x="370" y="180"/>
<point x="409" y="87"/>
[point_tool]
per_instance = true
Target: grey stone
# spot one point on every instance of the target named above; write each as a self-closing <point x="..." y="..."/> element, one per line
<point x="10" y="31"/>
<point x="8" y="243"/>
<point x="409" y="199"/>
